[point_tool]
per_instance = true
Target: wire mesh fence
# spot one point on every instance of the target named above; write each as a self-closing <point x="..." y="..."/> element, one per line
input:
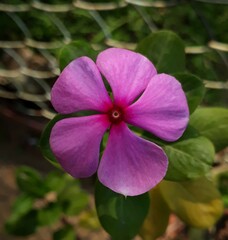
<point x="32" y="32"/>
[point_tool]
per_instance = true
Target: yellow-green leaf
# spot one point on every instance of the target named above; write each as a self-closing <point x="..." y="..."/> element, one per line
<point x="157" y="219"/>
<point x="197" y="203"/>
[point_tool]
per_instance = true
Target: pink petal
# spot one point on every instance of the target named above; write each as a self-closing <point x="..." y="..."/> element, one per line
<point x="80" y="87"/>
<point x="76" y="143"/>
<point x="127" y="72"/>
<point x="131" y="165"/>
<point x="162" y="109"/>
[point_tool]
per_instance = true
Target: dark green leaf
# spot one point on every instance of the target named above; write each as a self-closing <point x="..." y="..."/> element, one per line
<point x="30" y="181"/>
<point x="190" y="132"/>
<point x="74" y="50"/>
<point x="165" y="49"/>
<point x="44" y="141"/>
<point x="22" y="225"/>
<point x="223" y="183"/>
<point x="213" y="124"/>
<point x="120" y="216"/>
<point x="65" y="233"/>
<point x="193" y="87"/>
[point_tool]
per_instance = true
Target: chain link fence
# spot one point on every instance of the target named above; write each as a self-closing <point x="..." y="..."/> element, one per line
<point x="32" y="32"/>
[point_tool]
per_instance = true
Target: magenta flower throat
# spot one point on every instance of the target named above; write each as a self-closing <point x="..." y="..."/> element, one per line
<point x="129" y="165"/>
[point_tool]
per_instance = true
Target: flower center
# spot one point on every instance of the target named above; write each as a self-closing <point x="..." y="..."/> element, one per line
<point x="115" y="115"/>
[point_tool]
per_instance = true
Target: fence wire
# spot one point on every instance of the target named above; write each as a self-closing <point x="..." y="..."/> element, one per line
<point x="28" y="64"/>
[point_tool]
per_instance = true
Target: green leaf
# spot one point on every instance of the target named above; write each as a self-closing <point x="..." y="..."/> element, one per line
<point x="222" y="179"/>
<point x="22" y="205"/>
<point x="197" y="203"/>
<point x="22" y="212"/>
<point x="88" y="219"/>
<point x="213" y="124"/>
<point x="57" y="181"/>
<point x="154" y="226"/>
<point x="189" y="158"/>
<point x="73" y="199"/>
<point x="49" y="214"/>
<point x="67" y="233"/>
<point x="74" y="50"/>
<point x="225" y="201"/>
<point x="120" y="216"/>
<point x="22" y="225"/>
<point x="165" y="49"/>
<point x="193" y="88"/>
<point x="44" y="141"/>
<point x="30" y="181"/>
<point x="222" y="183"/>
<point x="76" y="205"/>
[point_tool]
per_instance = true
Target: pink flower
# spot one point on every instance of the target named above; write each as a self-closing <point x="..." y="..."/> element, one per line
<point x="130" y="165"/>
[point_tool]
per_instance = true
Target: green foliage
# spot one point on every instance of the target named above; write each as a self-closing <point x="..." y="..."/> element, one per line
<point x="189" y="158"/>
<point x="72" y="199"/>
<point x="222" y="183"/>
<point x="66" y="233"/>
<point x="213" y="124"/>
<point x="45" y="29"/>
<point x="22" y="225"/>
<point x="49" y="214"/>
<point x="23" y="220"/>
<point x="120" y="216"/>
<point x="44" y="201"/>
<point x="74" y="50"/>
<point x="30" y="182"/>
<point x="57" y="182"/>
<point x="166" y="50"/>
<point x="216" y="97"/>
<point x="23" y="204"/>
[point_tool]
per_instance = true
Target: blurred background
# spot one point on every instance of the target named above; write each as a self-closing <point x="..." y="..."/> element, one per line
<point x="31" y="36"/>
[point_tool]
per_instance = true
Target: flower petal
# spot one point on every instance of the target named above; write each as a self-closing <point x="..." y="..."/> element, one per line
<point x="76" y="143"/>
<point x="162" y="109"/>
<point x="131" y="165"/>
<point x="127" y="72"/>
<point x="80" y="87"/>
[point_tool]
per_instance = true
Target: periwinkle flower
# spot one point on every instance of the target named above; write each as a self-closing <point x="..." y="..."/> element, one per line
<point x="130" y="165"/>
